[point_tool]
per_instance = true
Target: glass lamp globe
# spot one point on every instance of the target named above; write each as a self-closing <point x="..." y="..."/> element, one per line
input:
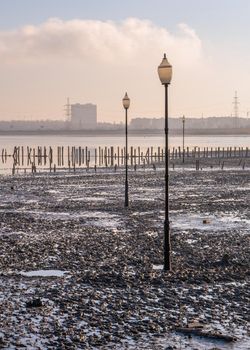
<point x="126" y="101"/>
<point x="165" y="71"/>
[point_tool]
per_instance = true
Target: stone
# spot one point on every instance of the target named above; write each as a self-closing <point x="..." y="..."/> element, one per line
<point x="34" y="303"/>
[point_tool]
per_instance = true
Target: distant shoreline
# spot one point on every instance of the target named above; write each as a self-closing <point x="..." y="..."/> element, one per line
<point x="120" y="132"/>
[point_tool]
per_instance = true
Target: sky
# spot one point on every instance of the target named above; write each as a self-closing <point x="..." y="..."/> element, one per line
<point x="93" y="51"/>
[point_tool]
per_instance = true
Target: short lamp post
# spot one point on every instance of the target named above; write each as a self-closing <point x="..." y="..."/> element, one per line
<point x="126" y="104"/>
<point x="183" y="139"/>
<point x="165" y="75"/>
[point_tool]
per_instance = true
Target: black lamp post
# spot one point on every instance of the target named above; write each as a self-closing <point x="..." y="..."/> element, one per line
<point x="126" y="103"/>
<point x="183" y="139"/>
<point x="165" y="75"/>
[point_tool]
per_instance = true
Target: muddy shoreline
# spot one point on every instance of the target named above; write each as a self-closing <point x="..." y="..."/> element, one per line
<point x="112" y="293"/>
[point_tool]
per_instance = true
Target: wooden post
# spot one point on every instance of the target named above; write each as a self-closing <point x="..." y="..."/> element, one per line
<point x="131" y="156"/>
<point x="112" y="155"/>
<point x="80" y="155"/>
<point x="83" y="156"/>
<point x="68" y="155"/>
<point x="72" y="155"/>
<point x="108" y="156"/>
<point x="50" y="159"/>
<point x="118" y="155"/>
<point x="95" y="156"/>
<point x="197" y="164"/>
<point x="58" y="155"/>
<point x="3" y="155"/>
<point x="135" y="159"/>
<point x="122" y="156"/>
<point x="139" y="155"/>
<point x="18" y="151"/>
<point x="105" y="156"/>
<point x="152" y="152"/>
<point x="44" y="155"/>
<point x="100" y="158"/>
<point x="88" y="157"/>
<point x="77" y="155"/>
<point x="86" y="154"/>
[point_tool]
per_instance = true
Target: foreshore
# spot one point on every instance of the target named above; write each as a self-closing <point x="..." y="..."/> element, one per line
<point x="103" y="286"/>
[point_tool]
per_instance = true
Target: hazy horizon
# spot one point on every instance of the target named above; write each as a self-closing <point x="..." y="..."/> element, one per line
<point x="94" y="52"/>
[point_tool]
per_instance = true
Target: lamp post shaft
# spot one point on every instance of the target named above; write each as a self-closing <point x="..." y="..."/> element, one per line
<point x="183" y="138"/>
<point x="167" y="247"/>
<point x="126" y="157"/>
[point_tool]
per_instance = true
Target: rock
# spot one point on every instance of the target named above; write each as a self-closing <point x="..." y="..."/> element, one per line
<point x="225" y="259"/>
<point x="195" y="324"/>
<point x="34" y="303"/>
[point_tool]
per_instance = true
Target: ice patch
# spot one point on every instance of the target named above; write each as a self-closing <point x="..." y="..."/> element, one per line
<point x="158" y="267"/>
<point x="44" y="273"/>
<point x="195" y="221"/>
<point x="102" y="219"/>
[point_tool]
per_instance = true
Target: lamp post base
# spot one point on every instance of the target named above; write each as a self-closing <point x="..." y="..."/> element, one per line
<point x="167" y="250"/>
<point x="126" y="194"/>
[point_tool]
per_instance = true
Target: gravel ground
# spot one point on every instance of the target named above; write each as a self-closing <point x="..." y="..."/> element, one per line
<point x="107" y="289"/>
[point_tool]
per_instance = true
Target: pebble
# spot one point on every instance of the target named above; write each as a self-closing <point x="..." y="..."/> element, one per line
<point x="111" y="292"/>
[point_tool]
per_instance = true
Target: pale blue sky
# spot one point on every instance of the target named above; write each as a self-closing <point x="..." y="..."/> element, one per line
<point x="211" y="18"/>
<point x="221" y="26"/>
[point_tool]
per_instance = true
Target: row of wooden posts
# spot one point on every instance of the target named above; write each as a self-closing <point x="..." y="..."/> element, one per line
<point x="72" y="156"/>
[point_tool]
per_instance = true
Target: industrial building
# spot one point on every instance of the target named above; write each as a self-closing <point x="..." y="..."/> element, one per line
<point x="83" y="116"/>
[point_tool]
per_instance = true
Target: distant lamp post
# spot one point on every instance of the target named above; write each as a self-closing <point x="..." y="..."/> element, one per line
<point x="126" y="104"/>
<point x="165" y="75"/>
<point x="183" y="139"/>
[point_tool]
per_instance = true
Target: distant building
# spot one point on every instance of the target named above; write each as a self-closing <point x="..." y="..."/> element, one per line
<point x="83" y="116"/>
<point x="31" y="125"/>
<point x="191" y="123"/>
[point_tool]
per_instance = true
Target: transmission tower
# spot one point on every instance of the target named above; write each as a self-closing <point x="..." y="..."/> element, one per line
<point x="236" y="104"/>
<point x="236" y="110"/>
<point x="68" y="110"/>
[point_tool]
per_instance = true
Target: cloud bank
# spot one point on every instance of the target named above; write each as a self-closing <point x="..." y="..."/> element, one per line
<point x="97" y="61"/>
<point x="91" y="40"/>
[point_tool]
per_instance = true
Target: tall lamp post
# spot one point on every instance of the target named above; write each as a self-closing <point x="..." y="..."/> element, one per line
<point x="165" y="75"/>
<point x="126" y="103"/>
<point x="183" y="139"/>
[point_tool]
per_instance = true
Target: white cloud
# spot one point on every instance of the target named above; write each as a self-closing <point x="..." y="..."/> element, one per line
<point x="131" y="39"/>
<point x="97" y="61"/>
